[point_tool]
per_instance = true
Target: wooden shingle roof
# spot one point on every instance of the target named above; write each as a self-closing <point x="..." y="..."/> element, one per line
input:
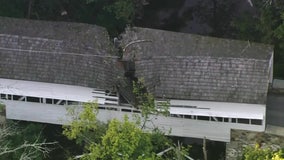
<point x="173" y="65"/>
<point x="75" y="35"/>
<point x="185" y="66"/>
<point x="56" y="52"/>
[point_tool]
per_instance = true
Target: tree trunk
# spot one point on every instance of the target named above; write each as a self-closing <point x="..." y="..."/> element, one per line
<point x="30" y="9"/>
<point x="204" y="149"/>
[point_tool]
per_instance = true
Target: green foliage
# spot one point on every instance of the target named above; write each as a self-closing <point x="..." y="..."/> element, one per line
<point x="176" y="152"/>
<point x="84" y="127"/>
<point x="112" y="14"/>
<point x="146" y="101"/>
<point x="266" y="27"/>
<point x="257" y="153"/>
<point x="259" y="28"/>
<point x="122" y="141"/>
<point x="279" y="50"/>
<point x="278" y="155"/>
<point x="160" y="141"/>
<point x="2" y="107"/>
<point x="13" y="8"/>
<point x="180" y="152"/>
<point x="279" y="32"/>
<point x="122" y="9"/>
<point x="118" y="140"/>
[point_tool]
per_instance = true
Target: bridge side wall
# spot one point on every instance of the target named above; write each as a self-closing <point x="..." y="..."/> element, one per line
<point x="56" y="114"/>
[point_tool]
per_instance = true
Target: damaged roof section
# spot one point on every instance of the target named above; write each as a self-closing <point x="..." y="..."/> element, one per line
<point x="173" y="65"/>
<point x="56" y="52"/>
<point x="185" y="66"/>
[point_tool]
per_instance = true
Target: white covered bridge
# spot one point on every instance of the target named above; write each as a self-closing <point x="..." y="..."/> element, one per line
<point x="213" y="85"/>
<point x="48" y="103"/>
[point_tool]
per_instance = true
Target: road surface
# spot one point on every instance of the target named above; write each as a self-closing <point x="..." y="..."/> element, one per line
<point x="275" y="109"/>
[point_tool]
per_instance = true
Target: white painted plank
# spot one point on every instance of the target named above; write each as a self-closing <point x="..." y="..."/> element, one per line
<point x="219" y="109"/>
<point x="51" y="90"/>
<point x="56" y="114"/>
<point x="104" y="96"/>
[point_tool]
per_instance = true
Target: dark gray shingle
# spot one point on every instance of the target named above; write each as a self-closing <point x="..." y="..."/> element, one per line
<point x="56" y="52"/>
<point x="185" y="66"/>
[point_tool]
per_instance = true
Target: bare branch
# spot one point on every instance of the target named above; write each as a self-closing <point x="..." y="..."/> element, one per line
<point x="133" y="42"/>
<point x="29" y="149"/>
<point x="36" y="146"/>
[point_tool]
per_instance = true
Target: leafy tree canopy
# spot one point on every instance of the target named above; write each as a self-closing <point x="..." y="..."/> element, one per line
<point x="265" y="25"/>
<point x="119" y="140"/>
<point x="123" y="141"/>
<point x="258" y="153"/>
<point x="112" y="14"/>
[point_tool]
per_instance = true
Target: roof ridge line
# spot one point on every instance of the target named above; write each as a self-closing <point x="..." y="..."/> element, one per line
<point x="56" y="52"/>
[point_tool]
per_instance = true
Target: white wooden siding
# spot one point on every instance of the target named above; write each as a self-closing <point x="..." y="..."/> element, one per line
<point x="47" y="102"/>
<point x="55" y="91"/>
<point x="56" y="114"/>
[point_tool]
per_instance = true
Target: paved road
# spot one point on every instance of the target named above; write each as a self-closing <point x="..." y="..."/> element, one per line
<point x="275" y="110"/>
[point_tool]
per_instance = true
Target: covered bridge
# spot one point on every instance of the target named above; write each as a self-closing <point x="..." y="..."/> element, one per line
<point x="204" y="78"/>
<point x="213" y="85"/>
